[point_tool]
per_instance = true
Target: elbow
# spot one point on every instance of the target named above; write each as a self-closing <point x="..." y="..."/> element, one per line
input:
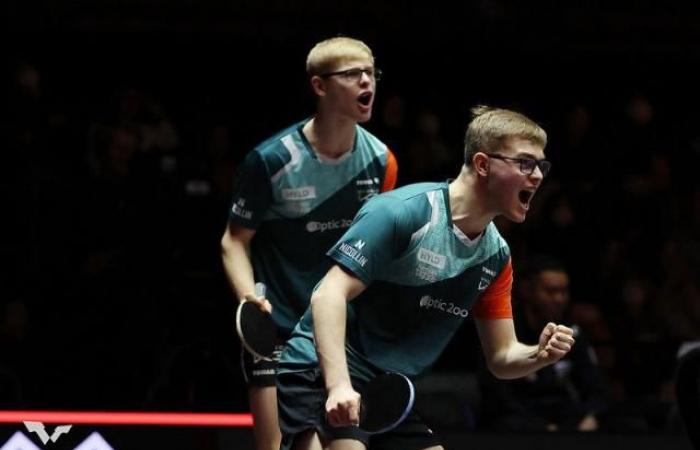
<point x="224" y="247"/>
<point x="316" y="300"/>
<point x="325" y="298"/>
<point x="499" y="368"/>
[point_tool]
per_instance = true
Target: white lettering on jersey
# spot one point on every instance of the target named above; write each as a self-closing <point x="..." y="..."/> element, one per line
<point x="367" y="188"/>
<point x="333" y="224"/>
<point x="431" y="258"/>
<point x="238" y="209"/>
<point x="302" y="193"/>
<point x="353" y="253"/>
<point x="448" y="307"/>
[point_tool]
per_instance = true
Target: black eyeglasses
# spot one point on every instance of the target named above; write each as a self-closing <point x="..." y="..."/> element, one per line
<point x="527" y="165"/>
<point x="355" y="74"/>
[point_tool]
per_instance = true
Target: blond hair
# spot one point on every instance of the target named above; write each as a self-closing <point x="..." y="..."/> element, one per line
<point x="491" y="126"/>
<point x="326" y="54"/>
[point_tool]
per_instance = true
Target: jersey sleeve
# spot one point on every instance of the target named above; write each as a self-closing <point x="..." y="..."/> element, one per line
<point x="495" y="302"/>
<point x="372" y="240"/>
<point x="391" y="173"/>
<point x="252" y="193"/>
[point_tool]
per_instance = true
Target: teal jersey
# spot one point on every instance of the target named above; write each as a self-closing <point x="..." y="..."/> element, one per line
<point x="423" y="277"/>
<point x="299" y="206"/>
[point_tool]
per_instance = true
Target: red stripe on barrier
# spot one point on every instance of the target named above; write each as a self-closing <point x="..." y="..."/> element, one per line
<point x="129" y="418"/>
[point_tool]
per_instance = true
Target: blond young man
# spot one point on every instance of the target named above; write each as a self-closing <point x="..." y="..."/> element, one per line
<point x="413" y="265"/>
<point x="295" y="195"/>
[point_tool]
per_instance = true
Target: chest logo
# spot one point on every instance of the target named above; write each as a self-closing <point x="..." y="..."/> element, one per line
<point x="301" y="193"/>
<point x="431" y="258"/>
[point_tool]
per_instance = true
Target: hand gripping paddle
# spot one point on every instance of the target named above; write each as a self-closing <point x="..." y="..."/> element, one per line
<point x="255" y="327"/>
<point x="386" y="401"/>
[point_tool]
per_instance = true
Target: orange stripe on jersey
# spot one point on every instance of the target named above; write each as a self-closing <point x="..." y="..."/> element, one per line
<point x="494" y="303"/>
<point x="392" y="171"/>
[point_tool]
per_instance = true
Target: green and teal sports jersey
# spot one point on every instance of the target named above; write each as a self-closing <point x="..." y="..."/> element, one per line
<point x="299" y="206"/>
<point x="423" y="277"/>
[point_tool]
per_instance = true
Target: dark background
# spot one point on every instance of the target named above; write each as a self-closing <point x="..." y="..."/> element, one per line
<point x="113" y="296"/>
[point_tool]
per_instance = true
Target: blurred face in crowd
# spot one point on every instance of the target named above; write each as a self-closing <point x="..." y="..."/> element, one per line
<point x="549" y="294"/>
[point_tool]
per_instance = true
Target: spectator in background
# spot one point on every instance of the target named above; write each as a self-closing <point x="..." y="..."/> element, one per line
<point x="566" y="396"/>
<point x="429" y="156"/>
<point x="645" y="354"/>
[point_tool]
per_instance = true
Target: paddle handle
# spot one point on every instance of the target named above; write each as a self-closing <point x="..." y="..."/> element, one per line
<point x="260" y="289"/>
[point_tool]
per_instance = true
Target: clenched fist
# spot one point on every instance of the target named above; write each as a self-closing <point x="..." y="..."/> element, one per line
<point x="555" y="342"/>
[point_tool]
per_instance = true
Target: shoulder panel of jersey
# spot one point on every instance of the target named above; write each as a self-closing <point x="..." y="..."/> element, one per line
<point x="252" y="192"/>
<point x="382" y="230"/>
<point x="495" y="301"/>
<point x="301" y="181"/>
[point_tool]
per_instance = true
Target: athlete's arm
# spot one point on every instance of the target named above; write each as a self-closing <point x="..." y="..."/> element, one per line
<point x="235" y="254"/>
<point x="506" y="357"/>
<point x="329" y="310"/>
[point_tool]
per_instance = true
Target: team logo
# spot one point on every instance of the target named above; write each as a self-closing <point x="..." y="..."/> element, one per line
<point x="367" y="188"/>
<point x="486" y="278"/>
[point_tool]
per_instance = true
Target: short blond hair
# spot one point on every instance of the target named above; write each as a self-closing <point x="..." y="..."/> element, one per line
<point x="490" y="126"/>
<point x="326" y="54"/>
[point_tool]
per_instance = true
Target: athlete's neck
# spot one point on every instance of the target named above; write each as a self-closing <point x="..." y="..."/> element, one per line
<point x="330" y="137"/>
<point x="467" y="205"/>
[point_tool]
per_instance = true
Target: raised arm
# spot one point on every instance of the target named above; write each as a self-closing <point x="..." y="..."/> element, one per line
<point x="505" y="356"/>
<point x="508" y="358"/>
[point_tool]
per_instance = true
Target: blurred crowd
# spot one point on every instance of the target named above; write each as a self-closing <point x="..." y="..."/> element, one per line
<point x="113" y="297"/>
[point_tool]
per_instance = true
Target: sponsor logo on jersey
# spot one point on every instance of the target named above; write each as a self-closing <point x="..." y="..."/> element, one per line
<point x="333" y="224"/>
<point x="426" y="273"/>
<point x="239" y="210"/>
<point x="488" y="271"/>
<point x="483" y="284"/>
<point x="302" y="193"/>
<point x="354" y="251"/>
<point x="427" y="302"/>
<point x="431" y="258"/>
<point x="367" y="188"/>
<point x="486" y="278"/>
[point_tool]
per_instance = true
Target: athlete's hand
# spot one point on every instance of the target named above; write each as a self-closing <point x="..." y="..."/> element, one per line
<point x="343" y="406"/>
<point x="263" y="303"/>
<point x="555" y="342"/>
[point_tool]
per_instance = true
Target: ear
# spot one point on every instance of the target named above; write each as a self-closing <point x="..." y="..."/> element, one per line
<point x="318" y="85"/>
<point x="480" y="162"/>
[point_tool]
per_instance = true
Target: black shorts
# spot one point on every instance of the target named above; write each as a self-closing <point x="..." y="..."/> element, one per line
<point x="259" y="372"/>
<point x="301" y="399"/>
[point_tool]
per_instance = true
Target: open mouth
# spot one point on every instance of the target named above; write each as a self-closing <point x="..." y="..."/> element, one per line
<point x="525" y="196"/>
<point x="365" y="98"/>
